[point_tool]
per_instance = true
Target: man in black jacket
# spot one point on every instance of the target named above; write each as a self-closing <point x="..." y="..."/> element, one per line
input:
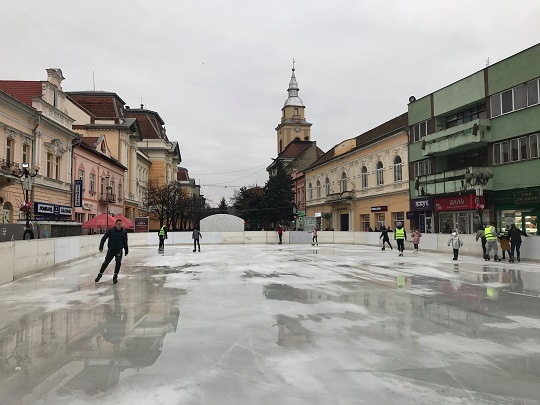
<point x="117" y="241"/>
<point x="515" y="242"/>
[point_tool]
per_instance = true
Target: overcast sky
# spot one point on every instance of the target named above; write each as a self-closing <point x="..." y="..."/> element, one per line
<point x="217" y="72"/>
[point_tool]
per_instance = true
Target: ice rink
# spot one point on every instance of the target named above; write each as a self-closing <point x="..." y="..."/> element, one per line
<point x="274" y="324"/>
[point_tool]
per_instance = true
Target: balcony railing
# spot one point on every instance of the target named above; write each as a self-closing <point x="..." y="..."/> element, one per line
<point x="107" y="197"/>
<point x="451" y="181"/>
<point x="10" y="167"/>
<point x="337" y="197"/>
<point x="466" y="136"/>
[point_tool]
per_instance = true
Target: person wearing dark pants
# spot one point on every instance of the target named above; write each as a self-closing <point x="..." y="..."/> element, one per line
<point x="162" y="236"/>
<point x="400" y="236"/>
<point x="118" y="241"/>
<point x="385" y="238"/>
<point x="196" y="236"/>
<point x="482" y="236"/>
<point x="456" y="242"/>
<point x="515" y="242"/>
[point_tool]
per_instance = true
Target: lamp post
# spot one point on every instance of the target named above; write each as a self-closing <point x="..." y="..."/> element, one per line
<point x="27" y="186"/>
<point x="107" y="202"/>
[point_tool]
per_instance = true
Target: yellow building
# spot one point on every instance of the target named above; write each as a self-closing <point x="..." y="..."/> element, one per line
<point x="362" y="182"/>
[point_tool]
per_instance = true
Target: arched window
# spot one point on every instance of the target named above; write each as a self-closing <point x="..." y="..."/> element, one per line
<point x="6" y="213"/>
<point x="318" y="188"/>
<point x="364" y="177"/>
<point x="327" y="184"/>
<point x="398" y="169"/>
<point x="343" y="182"/>
<point x="310" y="191"/>
<point x="380" y="173"/>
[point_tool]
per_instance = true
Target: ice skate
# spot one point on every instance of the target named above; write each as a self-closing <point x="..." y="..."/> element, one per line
<point x="383" y="248"/>
<point x="98" y="277"/>
<point x="518" y="259"/>
<point x="511" y="260"/>
<point x="486" y="258"/>
<point x="497" y="258"/>
<point x="115" y="279"/>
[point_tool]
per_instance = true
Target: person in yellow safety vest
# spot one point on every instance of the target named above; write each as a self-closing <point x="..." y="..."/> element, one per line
<point x="400" y="236"/>
<point x="162" y="236"/>
<point x="491" y="242"/>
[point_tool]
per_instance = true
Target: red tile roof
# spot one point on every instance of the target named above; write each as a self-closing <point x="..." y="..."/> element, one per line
<point x="22" y="90"/>
<point x="149" y="124"/>
<point x="182" y="174"/>
<point x="296" y="148"/>
<point x="102" y="105"/>
<point x="90" y="140"/>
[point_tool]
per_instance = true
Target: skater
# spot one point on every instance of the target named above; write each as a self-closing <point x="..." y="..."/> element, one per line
<point x="162" y="236"/>
<point x="118" y="240"/>
<point x="314" y="240"/>
<point x="416" y="235"/>
<point x="456" y="242"/>
<point x="385" y="237"/>
<point x="400" y="236"/>
<point x="482" y="236"/>
<point x="280" y="234"/>
<point x="504" y="241"/>
<point x="196" y="236"/>
<point x="491" y="242"/>
<point x="515" y="242"/>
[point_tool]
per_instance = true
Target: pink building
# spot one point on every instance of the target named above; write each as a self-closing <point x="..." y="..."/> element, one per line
<point x="98" y="179"/>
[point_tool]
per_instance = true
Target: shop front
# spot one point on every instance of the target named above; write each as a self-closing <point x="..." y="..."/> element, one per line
<point x="519" y="206"/>
<point x="461" y="212"/>
<point x="421" y="214"/>
<point x="52" y="212"/>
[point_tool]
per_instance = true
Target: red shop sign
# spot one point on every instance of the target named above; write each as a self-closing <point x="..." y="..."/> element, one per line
<point x="464" y="202"/>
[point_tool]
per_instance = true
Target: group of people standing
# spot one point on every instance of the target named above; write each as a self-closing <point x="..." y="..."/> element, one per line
<point x="509" y="240"/>
<point x="400" y="236"/>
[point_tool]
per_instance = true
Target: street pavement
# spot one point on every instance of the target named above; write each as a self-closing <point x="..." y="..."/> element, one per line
<point x="274" y="324"/>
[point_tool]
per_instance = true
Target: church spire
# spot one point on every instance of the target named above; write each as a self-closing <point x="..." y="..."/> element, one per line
<point x="293" y="91"/>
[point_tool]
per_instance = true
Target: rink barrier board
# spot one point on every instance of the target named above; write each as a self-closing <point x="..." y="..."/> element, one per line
<point x="24" y="258"/>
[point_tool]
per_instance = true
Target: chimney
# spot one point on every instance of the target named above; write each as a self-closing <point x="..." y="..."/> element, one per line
<point x="142" y="106"/>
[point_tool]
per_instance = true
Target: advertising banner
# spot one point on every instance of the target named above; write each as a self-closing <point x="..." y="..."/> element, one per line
<point x="465" y="202"/>
<point x="77" y="193"/>
<point x="142" y="224"/>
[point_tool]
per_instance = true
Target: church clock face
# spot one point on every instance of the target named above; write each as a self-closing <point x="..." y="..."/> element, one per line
<point x="297" y="128"/>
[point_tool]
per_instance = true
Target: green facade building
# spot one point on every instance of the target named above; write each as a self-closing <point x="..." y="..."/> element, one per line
<point x="474" y="149"/>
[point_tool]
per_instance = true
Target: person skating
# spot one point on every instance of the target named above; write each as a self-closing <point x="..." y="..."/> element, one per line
<point x="456" y="242"/>
<point x="504" y="241"/>
<point x="314" y="240"/>
<point x="491" y="242"/>
<point x="385" y="238"/>
<point x="280" y="234"/>
<point x="515" y="242"/>
<point x="400" y="236"/>
<point x="162" y="236"/>
<point x="118" y="241"/>
<point x="416" y="235"/>
<point x="482" y="236"/>
<point x="196" y="236"/>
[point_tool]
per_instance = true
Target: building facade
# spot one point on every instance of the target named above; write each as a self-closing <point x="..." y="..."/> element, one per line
<point x="361" y="183"/>
<point x="473" y="147"/>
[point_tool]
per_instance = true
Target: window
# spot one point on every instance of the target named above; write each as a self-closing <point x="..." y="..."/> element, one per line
<point x="49" y="165"/>
<point x="419" y="131"/>
<point x="516" y="98"/>
<point x="380" y="174"/>
<point x="343" y="185"/>
<point x="497" y="154"/>
<point x="120" y="191"/>
<point x="310" y="190"/>
<point x="364" y="218"/>
<point x="532" y="92"/>
<point x="422" y="168"/>
<point x="398" y="169"/>
<point x="296" y="111"/>
<point x="471" y="114"/>
<point x="57" y="167"/>
<point x="318" y="189"/>
<point x="523" y="148"/>
<point x="534" y="146"/>
<point x="327" y="184"/>
<point x="399" y="217"/>
<point x="80" y="175"/>
<point x="79" y="217"/>
<point x="515" y="150"/>
<point x="364" y="175"/>
<point x="92" y="183"/>
<point x="504" y="152"/>
<point x="9" y="151"/>
<point x="380" y="221"/>
<point x="25" y="149"/>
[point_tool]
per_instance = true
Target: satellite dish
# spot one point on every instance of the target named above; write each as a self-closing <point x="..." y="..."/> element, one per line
<point x="412" y="99"/>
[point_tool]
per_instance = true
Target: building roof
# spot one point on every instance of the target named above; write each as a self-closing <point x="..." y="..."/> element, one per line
<point x="101" y="104"/>
<point x="150" y="123"/>
<point x="90" y="143"/>
<point x="182" y="174"/>
<point x="382" y="131"/>
<point x="297" y="147"/>
<point x="22" y="90"/>
<point x="293" y="90"/>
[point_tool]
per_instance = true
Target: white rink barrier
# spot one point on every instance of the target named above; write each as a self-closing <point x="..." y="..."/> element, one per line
<point x="24" y="258"/>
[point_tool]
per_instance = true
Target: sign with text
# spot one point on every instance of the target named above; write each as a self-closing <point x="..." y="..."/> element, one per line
<point x="309" y="223"/>
<point x="379" y="208"/>
<point x="142" y="224"/>
<point x="459" y="203"/>
<point x="422" y="204"/>
<point x="527" y="197"/>
<point x="77" y="193"/>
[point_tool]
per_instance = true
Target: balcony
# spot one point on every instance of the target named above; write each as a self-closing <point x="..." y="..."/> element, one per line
<point x="452" y="181"/>
<point x="107" y="197"/>
<point x="9" y="172"/>
<point x="339" y="197"/>
<point x="468" y="136"/>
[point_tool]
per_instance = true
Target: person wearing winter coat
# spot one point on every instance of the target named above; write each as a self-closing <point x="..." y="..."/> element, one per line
<point x="416" y="235"/>
<point x="196" y="236"/>
<point x="491" y="242"/>
<point x="400" y="236"/>
<point x="118" y="241"/>
<point x="162" y="234"/>
<point x="482" y="236"/>
<point x="515" y="242"/>
<point x="456" y="242"/>
<point x="314" y="240"/>
<point x="504" y="241"/>
<point x="384" y="237"/>
<point x="279" y="231"/>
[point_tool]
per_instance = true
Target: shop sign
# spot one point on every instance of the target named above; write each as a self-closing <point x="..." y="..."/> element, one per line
<point x="42" y="208"/>
<point x="142" y="224"/>
<point x="527" y="197"/>
<point x="465" y="202"/>
<point x="423" y="204"/>
<point x="410" y="215"/>
<point x="301" y="213"/>
<point x="77" y="194"/>
<point x="65" y="210"/>
<point x="379" y="208"/>
<point x="318" y="214"/>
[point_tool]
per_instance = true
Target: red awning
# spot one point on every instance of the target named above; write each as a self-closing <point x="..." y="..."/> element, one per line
<point x="126" y="222"/>
<point x="100" y="221"/>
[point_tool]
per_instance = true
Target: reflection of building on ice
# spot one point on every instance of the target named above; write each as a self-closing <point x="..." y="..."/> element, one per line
<point x="290" y="331"/>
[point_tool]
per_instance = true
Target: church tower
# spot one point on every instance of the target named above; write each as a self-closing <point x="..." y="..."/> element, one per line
<point x="293" y="124"/>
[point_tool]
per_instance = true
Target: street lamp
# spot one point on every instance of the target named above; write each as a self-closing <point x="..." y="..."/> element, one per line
<point x="478" y="180"/>
<point x="27" y="186"/>
<point x="107" y="200"/>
